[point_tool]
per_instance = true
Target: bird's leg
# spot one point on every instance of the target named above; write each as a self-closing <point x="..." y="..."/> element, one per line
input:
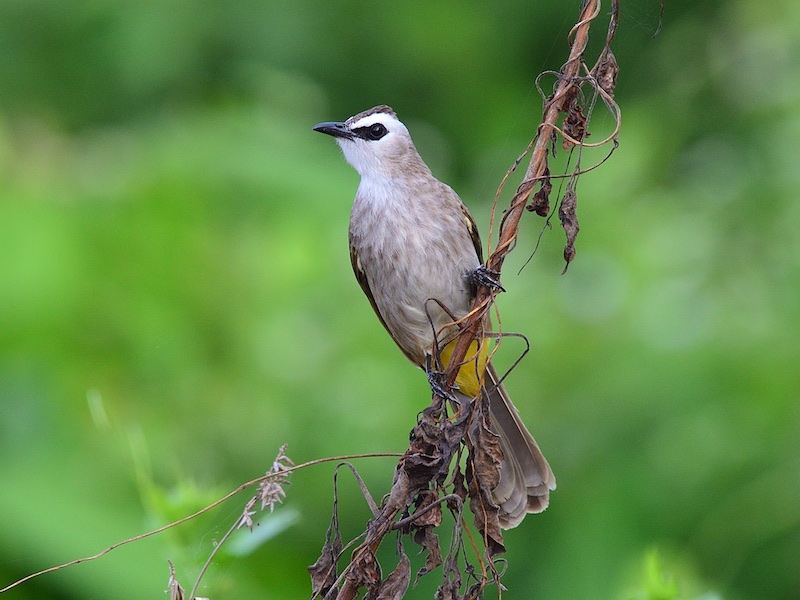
<point x="483" y="275"/>
<point x="436" y="379"/>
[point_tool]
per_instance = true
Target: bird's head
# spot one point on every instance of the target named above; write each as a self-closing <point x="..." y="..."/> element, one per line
<point x="375" y="142"/>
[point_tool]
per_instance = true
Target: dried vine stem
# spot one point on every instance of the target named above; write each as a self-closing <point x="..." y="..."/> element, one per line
<point x="537" y="169"/>
<point x="181" y="521"/>
<point x="436" y="440"/>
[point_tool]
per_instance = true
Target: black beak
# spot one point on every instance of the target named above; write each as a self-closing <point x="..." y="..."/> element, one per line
<point x="334" y="128"/>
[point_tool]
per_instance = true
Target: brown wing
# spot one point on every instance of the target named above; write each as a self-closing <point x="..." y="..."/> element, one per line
<point x="473" y="232"/>
<point x="363" y="281"/>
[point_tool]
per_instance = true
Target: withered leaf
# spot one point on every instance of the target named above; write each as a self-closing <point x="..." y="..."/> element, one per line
<point x="429" y="542"/>
<point x="323" y="572"/>
<point x="429" y="515"/>
<point x="459" y="489"/>
<point x="397" y="582"/>
<point x="486" y="455"/>
<point x="365" y="570"/>
<point x="570" y="96"/>
<point x="605" y="72"/>
<point x="424" y="461"/>
<point x="574" y="123"/>
<point x="574" y="126"/>
<point x="434" y="442"/>
<point x="483" y="475"/>
<point x="567" y="212"/>
<point x="540" y="204"/>
<point x="486" y="519"/>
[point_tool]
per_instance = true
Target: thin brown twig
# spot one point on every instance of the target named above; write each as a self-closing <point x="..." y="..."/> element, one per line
<point x="203" y="510"/>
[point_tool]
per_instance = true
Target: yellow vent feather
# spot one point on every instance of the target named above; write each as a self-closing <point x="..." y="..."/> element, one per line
<point x="467" y="379"/>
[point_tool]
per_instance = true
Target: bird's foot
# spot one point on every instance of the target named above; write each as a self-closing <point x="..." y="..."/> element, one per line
<point x="438" y="382"/>
<point x="483" y="275"/>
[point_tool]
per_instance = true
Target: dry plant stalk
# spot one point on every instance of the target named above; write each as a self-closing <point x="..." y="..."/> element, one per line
<point x="269" y="492"/>
<point x="421" y="476"/>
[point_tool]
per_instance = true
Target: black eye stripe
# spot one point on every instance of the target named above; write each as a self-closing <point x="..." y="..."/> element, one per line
<point x="371" y="132"/>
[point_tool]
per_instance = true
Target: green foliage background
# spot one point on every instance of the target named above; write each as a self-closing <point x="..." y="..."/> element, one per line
<point x="176" y="299"/>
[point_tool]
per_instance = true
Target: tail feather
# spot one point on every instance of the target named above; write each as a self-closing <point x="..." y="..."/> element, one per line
<point x="525" y="477"/>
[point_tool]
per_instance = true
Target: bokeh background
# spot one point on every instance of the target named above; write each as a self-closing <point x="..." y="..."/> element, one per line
<point x="176" y="299"/>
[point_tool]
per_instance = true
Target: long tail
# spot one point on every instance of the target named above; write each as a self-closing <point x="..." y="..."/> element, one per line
<point x="525" y="477"/>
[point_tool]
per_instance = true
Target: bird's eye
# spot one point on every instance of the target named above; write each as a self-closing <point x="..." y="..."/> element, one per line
<point x="376" y="131"/>
<point x="372" y="132"/>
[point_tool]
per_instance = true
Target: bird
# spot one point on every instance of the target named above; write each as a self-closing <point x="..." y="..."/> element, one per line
<point x="417" y="255"/>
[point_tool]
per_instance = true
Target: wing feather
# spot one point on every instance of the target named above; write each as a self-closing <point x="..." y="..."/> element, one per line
<point x="472" y="229"/>
<point x="363" y="281"/>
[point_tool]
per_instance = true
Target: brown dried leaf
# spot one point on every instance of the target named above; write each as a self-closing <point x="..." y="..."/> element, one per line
<point x="323" y="572"/>
<point x="540" y="204"/>
<point x="488" y="523"/>
<point x="575" y="123"/>
<point x="429" y="516"/>
<point x="483" y="475"/>
<point x="574" y="126"/>
<point x="459" y="489"/>
<point x="425" y="460"/>
<point x="567" y="212"/>
<point x="429" y="542"/>
<point x="486" y="455"/>
<point x="569" y="97"/>
<point x="605" y="72"/>
<point x="365" y="570"/>
<point x="397" y="582"/>
<point x="426" y="464"/>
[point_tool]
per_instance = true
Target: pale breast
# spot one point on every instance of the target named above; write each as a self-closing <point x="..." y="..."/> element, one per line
<point x="415" y="251"/>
